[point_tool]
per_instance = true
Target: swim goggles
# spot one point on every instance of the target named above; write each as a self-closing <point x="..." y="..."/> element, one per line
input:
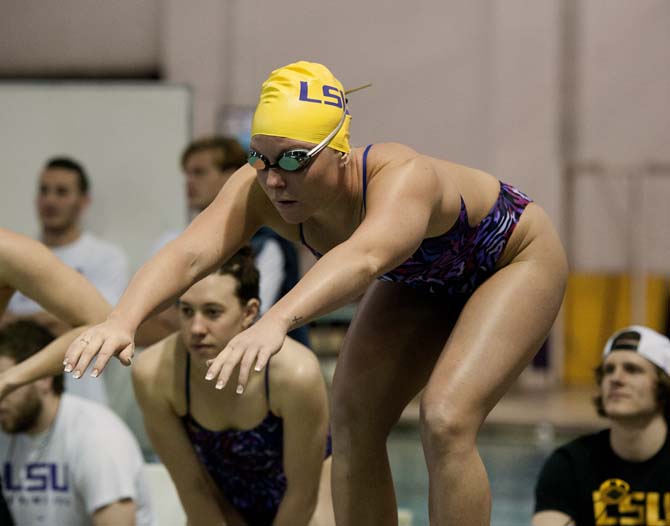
<point x="297" y="159"/>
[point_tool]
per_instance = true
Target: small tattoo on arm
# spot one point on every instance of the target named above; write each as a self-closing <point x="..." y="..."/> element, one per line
<point x="296" y="320"/>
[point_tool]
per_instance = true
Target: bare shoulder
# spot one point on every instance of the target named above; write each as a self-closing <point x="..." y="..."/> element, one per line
<point x="152" y="368"/>
<point x="297" y="385"/>
<point x="395" y="158"/>
<point x="397" y="170"/>
<point x="295" y="368"/>
<point x="393" y="153"/>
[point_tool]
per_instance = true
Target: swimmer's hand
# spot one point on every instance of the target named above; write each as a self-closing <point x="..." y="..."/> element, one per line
<point x="105" y="340"/>
<point x="256" y="345"/>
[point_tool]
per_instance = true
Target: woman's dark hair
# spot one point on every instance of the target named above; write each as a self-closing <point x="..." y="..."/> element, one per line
<point x="241" y="266"/>
<point x="21" y="339"/>
<point x="662" y="391"/>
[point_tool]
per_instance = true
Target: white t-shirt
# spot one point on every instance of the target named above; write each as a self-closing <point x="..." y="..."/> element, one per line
<point x="270" y="264"/>
<point x="106" y="266"/>
<point x="101" y="262"/>
<point x="86" y="460"/>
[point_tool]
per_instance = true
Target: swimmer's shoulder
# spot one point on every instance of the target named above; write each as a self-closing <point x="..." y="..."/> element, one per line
<point x="153" y="369"/>
<point x="294" y="373"/>
<point x="387" y="153"/>
<point x="397" y="163"/>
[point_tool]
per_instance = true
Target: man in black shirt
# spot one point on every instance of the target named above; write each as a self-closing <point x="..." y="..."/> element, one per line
<point x="621" y="475"/>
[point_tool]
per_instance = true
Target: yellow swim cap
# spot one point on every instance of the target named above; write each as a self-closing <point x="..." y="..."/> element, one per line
<point x="302" y="101"/>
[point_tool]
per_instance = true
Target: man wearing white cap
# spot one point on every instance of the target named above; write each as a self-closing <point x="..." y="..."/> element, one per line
<point x="620" y="475"/>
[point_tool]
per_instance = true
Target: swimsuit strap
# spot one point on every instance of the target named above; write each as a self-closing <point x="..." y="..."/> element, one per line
<point x="365" y="189"/>
<point x="302" y="237"/>
<point x="267" y="384"/>
<point x="188" y="383"/>
<point x="316" y="253"/>
<point x="365" y="175"/>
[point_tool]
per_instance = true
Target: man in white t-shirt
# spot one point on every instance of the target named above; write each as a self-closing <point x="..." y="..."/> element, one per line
<point x="62" y="198"/>
<point x="65" y="461"/>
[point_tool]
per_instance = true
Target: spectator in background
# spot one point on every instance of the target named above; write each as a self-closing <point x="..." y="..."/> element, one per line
<point x="55" y="471"/>
<point x="207" y="163"/>
<point x="620" y="475"/>
<point x="27" y="266"/>
<point x="62" y="198"/>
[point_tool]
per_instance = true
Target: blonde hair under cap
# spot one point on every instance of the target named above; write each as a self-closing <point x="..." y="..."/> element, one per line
<point x="302" y="101"/>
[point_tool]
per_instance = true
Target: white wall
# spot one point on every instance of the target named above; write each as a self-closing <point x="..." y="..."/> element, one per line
<point x="479" y="81"/>
<point x="79" y="36"/>
<point x="623" y="116"/>
<point x="624" y="72"/>
<point x="127" y="136"/>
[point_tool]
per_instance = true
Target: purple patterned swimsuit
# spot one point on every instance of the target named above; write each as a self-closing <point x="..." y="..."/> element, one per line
<point x="457" y="262"/>
<point x="246" y="465"/>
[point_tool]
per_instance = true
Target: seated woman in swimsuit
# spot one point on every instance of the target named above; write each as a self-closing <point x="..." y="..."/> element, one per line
<point x="259" y="459"/>
<point x="462" y="278"/>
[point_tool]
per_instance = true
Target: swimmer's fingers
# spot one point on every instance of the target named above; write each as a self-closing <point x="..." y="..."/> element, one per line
<point x="88" y="345"/>
<point x="126" y="355"/>
<point x="111" y="348"/>
<point x="263" y="358"/>
<point x="75" y="351"/>
<point x="250" y="355"/>
<point x="222" y="366"/>
<point x="104" y="341"/>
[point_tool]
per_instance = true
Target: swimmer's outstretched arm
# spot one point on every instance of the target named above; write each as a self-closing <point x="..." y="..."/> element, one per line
<point x="210" y="239"/>
<point x="31" y="268"/>
<point x="401" y="202"/>
<point x="47" y="362"/>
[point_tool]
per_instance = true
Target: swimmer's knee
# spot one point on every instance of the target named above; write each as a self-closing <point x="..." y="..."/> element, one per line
<point x="447" y="426"/>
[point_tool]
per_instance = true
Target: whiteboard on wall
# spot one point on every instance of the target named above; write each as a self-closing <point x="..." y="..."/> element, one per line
<point x="128" y="136"/>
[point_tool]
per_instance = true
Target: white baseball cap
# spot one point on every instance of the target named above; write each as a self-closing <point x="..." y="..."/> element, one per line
<point x="653" y="346"/>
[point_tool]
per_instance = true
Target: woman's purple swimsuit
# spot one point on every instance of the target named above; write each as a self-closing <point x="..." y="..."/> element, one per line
<point x="457" y="262"/>
<point x="246" y="465"/>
